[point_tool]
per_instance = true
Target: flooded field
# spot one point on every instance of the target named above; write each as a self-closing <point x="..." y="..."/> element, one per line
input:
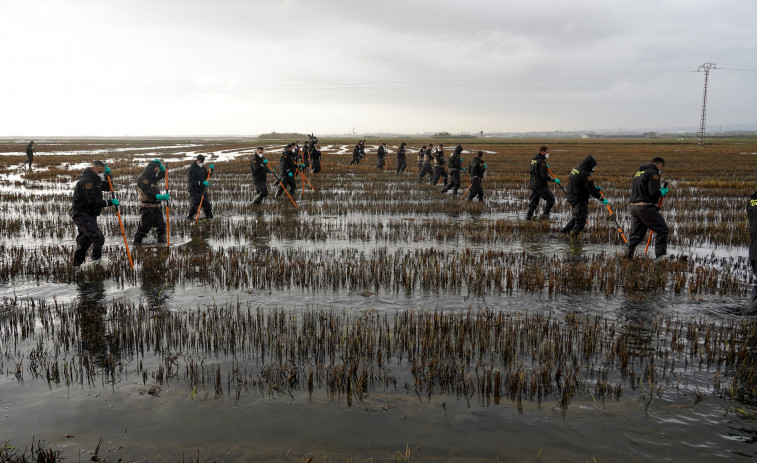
<point x="378" y="320"/>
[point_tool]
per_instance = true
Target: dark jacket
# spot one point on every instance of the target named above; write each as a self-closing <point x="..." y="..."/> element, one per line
<point x="401" y="151"/>
<point x="381" y="152"/>
<point x="439" y="158"/>
<point x="645" y="187"/>
<point x="30" y="149"/>
<point x="477" y="167"/>
<point x="751" y="210"/>
<point x="539" y="174"/>
<point x="421" y="154"/>
<point x="259" y="170"/>
<point x="580" y="182"/>
<point x="315" y="155"/>
<point x="147" y="184"/>
<point x="286" y="164"/>
<point x="195" y="176"/>
<point x="454" y="160"/>
<point x="428" y="156"/>
<point x="357" y="152"/>
<point x="88" y="194"/>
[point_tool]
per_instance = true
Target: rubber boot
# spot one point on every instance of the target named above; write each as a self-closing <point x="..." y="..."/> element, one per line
<point x="545" y="216"/>
<point x="752" y="309"/>
<point x="137" y="240"/>
<point x="79" y="257"/>
<point x="97" y="254"/>
<point x="257" y="199"/>
<point x="630" y="250"/>
<point x="162" y="239"/>
<point x="660" y="250"/>
<point x="279" y="192"/>
<point x="446" y="188"/>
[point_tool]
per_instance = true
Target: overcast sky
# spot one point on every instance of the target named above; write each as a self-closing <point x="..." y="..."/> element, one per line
<point x="190" y="67"/>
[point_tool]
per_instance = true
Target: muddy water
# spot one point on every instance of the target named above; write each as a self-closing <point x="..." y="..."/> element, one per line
<point x="274" y="425"/>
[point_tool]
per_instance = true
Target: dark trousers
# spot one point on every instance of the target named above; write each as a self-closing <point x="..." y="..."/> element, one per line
<point x="401" y="165"/>
<point x="30" y="159"/>
<point x="356" y="159"/>
<point x="151" y="217"/>
<point x="89" y="235"/>
<point x="475" y="189"/>
<point x="194" y="201"/>
<point x="533" y="201"/>
<point x="645" y="218"/>
<point x="579" y="214"/>
<point x="420" y="166"/>
<point x="425" y="169"/>
<point x="262" y="188"/>
<point x="288" y="182"/>
<point x="439" y="172"/>
<point x="316" y="166"/>
<point x="380" y="162"/>
<point x="753" y="263"/>
<point x="454" y="183"/>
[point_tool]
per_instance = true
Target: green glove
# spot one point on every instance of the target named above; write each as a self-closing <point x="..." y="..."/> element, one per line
<point x="598" y="187"/>
<point x="211" y="166"/>
<point x="605" y="201"/>
<point x="205" y="182"/>
<point x="290" y="174"/>
<point x="557" y="180"/>
<point x="463" y="168"/>
<point x="265" y="161"/>
<point x="663" y="191"/>
<point x="164" y="197"/>
<point x="107" y="171"/>
<point x="485" y="166"/>
<point x="162" y="167"/>
<point x="114" y="202"/>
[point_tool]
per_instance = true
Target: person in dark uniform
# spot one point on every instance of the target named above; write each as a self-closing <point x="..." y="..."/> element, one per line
<point x="455" y="166"/>
<point x="538" y="184"/>
<point x="439" y="170"/>
<point x="198" y="181"/>
<point x="259" y="175"/>
<point x="30" y="153"/>
<point x="401" y="158"/>
<point x="358" y="153"/>
<point x="381" y="157"/>
<point x="428" y="158"/>
<point x="148" y="190"/>
<point x="315" y="158"/>
<point x="477" y="169"/>
<point x="87" y="204"/>
<point x="751" y="209"/>
<point x="645" y="214"/>
<point x="580" y="187"/>
<point x="287" y="169"/>
<point x="421" y="157"/>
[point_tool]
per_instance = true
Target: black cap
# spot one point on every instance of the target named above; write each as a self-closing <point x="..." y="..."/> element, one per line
<point x="200" y="158"/>
<point x="480" y="153"/>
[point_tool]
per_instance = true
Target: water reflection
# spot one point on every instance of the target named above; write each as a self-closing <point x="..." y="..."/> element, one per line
<point x="91" y="312"/>
<point x="155" y="291"/>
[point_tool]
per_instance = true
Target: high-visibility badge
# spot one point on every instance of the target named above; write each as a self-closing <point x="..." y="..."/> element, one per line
<point x="656" y="177"/>
<point x="88" y="186"/>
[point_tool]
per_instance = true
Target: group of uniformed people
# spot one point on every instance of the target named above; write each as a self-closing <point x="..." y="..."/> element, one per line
<point x="646" y="192"/>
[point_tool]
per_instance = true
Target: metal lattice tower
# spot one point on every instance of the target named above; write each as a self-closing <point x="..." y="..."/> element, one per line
<point x="706" y="68"/>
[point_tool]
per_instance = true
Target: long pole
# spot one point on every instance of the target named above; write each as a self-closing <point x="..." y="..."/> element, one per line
<point x="120" y="223"/>
<point x="555" y="177"/>
<point x="203" y="197"/>
<point x="282" y="185"/>
<point x="304" y="179"/>
<point x="659" y="205"/>
<point x="168" y="221"/>
<point x="620" y="229"/>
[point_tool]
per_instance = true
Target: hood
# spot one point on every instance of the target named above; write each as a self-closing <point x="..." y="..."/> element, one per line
<point x="151" y="168"/>
<point x="648" y="166"/>
<point x="588" y="163"/>
<point x="458" y="149"/>
<point x="754" y="195"/>
<point x="403" y="144"/>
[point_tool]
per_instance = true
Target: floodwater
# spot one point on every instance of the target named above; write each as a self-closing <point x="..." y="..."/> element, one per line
<point x="682" y="416"/>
